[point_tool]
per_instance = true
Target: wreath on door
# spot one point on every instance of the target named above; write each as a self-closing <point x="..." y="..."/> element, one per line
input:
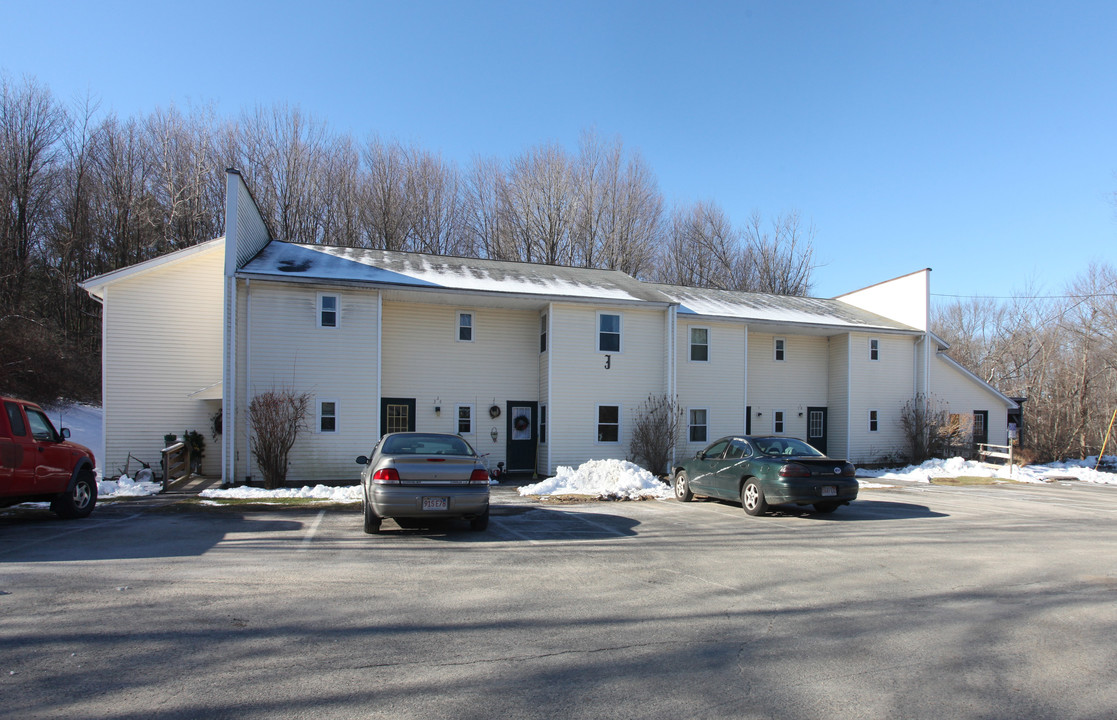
<point x="520" y="423"/>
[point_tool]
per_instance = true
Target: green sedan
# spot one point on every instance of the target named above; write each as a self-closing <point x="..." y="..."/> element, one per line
<point x="762" y="471"/>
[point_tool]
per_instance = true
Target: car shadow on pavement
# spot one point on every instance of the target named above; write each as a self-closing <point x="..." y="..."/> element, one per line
<point x="857" y="511"/>
<point x="520" y="523"/>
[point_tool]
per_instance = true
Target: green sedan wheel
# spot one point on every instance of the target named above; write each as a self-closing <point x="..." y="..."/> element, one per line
<point x="682" y="487"/>
<point x="752" y="498"/>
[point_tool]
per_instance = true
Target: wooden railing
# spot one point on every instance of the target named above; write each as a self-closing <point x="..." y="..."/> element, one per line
<point x="176" y="463"/>
<point x="1004" y="452"/>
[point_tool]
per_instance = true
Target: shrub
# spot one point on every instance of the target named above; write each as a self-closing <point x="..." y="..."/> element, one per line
<point x="655" y="433"/>
<point x="932" y="432"/>
<point x="277" y="417"/>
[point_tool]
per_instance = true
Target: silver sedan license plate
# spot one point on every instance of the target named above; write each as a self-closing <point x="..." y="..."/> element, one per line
<point x="436" y="503"/>
<point x="829" y="491"/>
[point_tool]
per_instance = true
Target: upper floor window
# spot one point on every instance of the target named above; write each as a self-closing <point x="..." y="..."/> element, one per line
<point x="328" y="314"/>
<point x="465" y="327"/>
<point x="608" y="332"/>
<point x="543" y="333"/>
<point x="696" y="425"/>
<point x="874" y="349"/>
<point x="699" y="344"/>
<point x="780" y="349"/>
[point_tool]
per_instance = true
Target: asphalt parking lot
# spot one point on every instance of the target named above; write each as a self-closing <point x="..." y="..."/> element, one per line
<point x="916" y="602"/>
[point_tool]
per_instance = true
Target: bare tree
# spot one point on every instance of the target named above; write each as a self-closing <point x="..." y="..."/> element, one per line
<point x="385" y="211"/>
<point x="701" y="248"/>
<point x="538" y="205"/>
<point x="778" y="259"/>
<point x="276" y="417"/>
<point x="656" y="432"/>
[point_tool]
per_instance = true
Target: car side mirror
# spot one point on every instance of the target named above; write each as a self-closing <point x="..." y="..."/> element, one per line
<point x="362" y="460"/>
<point x="65" y="433"/>
<point x="701" y="454"/>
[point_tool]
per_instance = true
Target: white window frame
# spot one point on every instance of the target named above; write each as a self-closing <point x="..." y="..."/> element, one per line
<point x="691" y="344"/>
<point x="691" y="425"/>
<point x="779" y="349"/>
<point x="874" y="421"/>
<point x="336" y="311"/>
<point x="458" y="419"/>
<point x="620" y="332"/>
<point x="472" y="326"/>
<point x="874" y="349"/>
<point x="321" y="415"/>
<point x="597" y="423"/>
<point x="779" y="422"/>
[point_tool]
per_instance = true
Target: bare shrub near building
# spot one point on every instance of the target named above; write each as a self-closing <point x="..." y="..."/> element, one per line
<point x="277" y="417"/>
<point x="932" y="432"/>
<point x="655" y="433"/>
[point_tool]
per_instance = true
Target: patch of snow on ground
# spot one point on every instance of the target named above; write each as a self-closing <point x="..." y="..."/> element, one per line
<point x="126" y="487"/>
<point x="607" y="479"/>
<point x="343" y="494"/>
<point x="1082" y="470"/>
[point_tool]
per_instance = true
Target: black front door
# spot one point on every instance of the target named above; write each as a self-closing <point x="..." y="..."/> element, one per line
<point x="523" y="434"/>
<point x="397" y="415"/>
<point x="816" y="428"/>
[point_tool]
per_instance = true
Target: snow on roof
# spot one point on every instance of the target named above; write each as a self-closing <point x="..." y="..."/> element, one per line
<point x="774" y="308"/>
<point x="324" y="262"/>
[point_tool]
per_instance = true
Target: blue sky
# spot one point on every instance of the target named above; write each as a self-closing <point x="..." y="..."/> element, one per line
<point x="975" y="138"/>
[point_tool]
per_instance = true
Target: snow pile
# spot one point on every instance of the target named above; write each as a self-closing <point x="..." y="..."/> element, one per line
<point x="126" y="487"/>
<point x="604" y="479"/>
<point x="344" y="494"/>
<point x="955" y="467"/>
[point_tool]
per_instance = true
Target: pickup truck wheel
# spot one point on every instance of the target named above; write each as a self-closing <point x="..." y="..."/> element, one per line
<point x="79" y="502"/>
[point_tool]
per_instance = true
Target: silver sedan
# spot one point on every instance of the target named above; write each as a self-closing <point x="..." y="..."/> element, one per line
<point x="413" y="477"/>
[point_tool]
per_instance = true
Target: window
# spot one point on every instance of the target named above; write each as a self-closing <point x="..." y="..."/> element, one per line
<point x="542" y="423"/>
<point x="777" y="421"/>
<point x="874" y="349"/>
<point x="41" y="429"/>
<point x="465" y="327"/>
<point x="327" y="310"/>
<point x="696" y="425"/>
<point x="980" y="426"/>
<point x="608" y="423"/>
<point x="699" y="344"/>
<point x="874" y="421"/>
<point x="15" y="418"/>
<point x="543" y="333"/>
<point x="327" y="416"/>
<point x="780" y="345"/>
<point x="465" y="419"/>
<point x="608" y="332"/>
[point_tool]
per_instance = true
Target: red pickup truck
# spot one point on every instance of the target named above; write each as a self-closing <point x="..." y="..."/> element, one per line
<point x="39" y="463"/>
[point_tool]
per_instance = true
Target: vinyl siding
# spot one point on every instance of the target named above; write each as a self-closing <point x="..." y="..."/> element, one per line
<point x="423" y="360"/>
<point x="799" y="382"/>
<point x="283" y="349"/>
<point x="162" y="342"/>
<point x="838" y="399"/>
<point x="962" y="395"/>
<point x="717" y="385"/>
<point x="582" y="382"/>
<point x="885" y="385"/>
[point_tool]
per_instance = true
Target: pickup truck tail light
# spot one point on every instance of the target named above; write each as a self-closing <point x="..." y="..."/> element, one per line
<point x="479" y="476"/>
<point x="386" y="476"/>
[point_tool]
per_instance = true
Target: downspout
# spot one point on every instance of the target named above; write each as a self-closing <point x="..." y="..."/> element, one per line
<point x="229" y="385"/>
<point x="849" y="396"/>
<point x="550" y="397"/>
<point x="672" y="363"/>
<point x="247" y="369"/>
<point x="379" y="359"/>
<point x="745" y="405"/>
